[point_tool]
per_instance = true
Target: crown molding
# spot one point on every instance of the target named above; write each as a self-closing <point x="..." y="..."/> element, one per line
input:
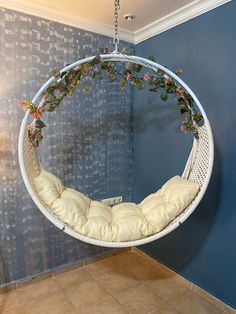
<point x="65" y="18"/>
<point x="169" y="21"/>
<point x="177" y="17"/>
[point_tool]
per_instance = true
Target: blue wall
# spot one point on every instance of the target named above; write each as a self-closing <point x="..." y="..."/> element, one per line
<point x="88" y="143"/>
<point x="204" y="248"/>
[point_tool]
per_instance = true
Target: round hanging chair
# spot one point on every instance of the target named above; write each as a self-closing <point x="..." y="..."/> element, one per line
<point x="198" y="168"/>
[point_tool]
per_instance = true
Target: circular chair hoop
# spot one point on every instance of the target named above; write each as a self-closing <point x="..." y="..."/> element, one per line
<point x="198" y="167"/>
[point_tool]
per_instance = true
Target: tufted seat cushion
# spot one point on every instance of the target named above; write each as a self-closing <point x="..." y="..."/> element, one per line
<point x="122" y="222"/>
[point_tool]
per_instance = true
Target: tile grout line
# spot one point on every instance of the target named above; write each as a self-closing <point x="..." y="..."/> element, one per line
<point x="119" y="252"/>
<point x="112" y="295"/>
<point x="60" y="270"/>
<point x="193" y="287"/>
<point x="120" y="304"/>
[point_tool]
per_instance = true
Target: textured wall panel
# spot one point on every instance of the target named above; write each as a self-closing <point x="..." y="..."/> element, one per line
<point x="88" y="145"/>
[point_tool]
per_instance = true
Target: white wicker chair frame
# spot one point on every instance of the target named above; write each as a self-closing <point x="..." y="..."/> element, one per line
<point x="198" y="167"/>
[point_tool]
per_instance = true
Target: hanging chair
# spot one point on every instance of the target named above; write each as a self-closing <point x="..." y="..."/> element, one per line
<point x="198" y="168"/>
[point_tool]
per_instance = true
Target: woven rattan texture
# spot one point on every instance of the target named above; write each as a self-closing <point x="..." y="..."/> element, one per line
<point x="201" y="160"/>
<point x="31" y="162"/>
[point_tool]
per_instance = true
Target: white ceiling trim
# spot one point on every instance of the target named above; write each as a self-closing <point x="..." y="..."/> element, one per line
<point x="65" y="18"/>
<point x="177" y="17"/>
<point x="173" y="19"/>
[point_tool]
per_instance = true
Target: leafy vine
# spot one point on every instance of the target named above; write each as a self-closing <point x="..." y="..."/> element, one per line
<point x="67" y="83"/>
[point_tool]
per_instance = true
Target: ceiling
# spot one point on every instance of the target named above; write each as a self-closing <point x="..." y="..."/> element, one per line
<point x="151" y="16"/>
<point x="102" y="11"/>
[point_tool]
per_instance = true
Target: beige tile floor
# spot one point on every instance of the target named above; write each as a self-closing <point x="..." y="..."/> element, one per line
<point x="121" y="284"/>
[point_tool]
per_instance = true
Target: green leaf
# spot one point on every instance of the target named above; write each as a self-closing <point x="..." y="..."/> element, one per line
<point x="123" y="83"/>
<point x="39" y="124"/>
<point x="98" y="69"/>
<point x="138" y="82"/>
<point x="186" y="113"/>
<point x="160" y="82"/>
<point x="137" y="67"/>
<point x="152" y="58"/>
<point x="182" y="105"/>
<point x="95" y="60"/>
<point x="169" y="90"/>
<point x="197" y="117"/>
<point x="104" y="66"/>
<point x="164" y="96"/>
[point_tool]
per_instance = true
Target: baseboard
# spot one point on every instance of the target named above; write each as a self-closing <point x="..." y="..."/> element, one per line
<point x="198" y="290"/>
<point x="64" y="268"/>
<point x="58" y="270"/>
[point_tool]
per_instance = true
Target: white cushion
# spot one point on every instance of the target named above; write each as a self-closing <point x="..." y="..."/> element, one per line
<point x="122" y="222"/>
<point x="48" y="186"/>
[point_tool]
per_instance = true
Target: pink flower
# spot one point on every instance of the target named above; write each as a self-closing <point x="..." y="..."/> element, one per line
<point x="129" y="75"/>
<point x="146" y="76"/>
<point x="40" y="111"/>
<point x="19" y="103"/>
<point x="166" y="81"/>
<point x="25" y="104"/>
<point x="36" y="113"/>
<point x="182" y="128"/>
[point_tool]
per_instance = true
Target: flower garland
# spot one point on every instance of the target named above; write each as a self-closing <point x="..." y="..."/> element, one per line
<point x="96" y="68"/>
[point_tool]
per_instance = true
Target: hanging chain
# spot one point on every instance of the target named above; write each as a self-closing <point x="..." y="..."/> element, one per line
<point x="116" y="34"/>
